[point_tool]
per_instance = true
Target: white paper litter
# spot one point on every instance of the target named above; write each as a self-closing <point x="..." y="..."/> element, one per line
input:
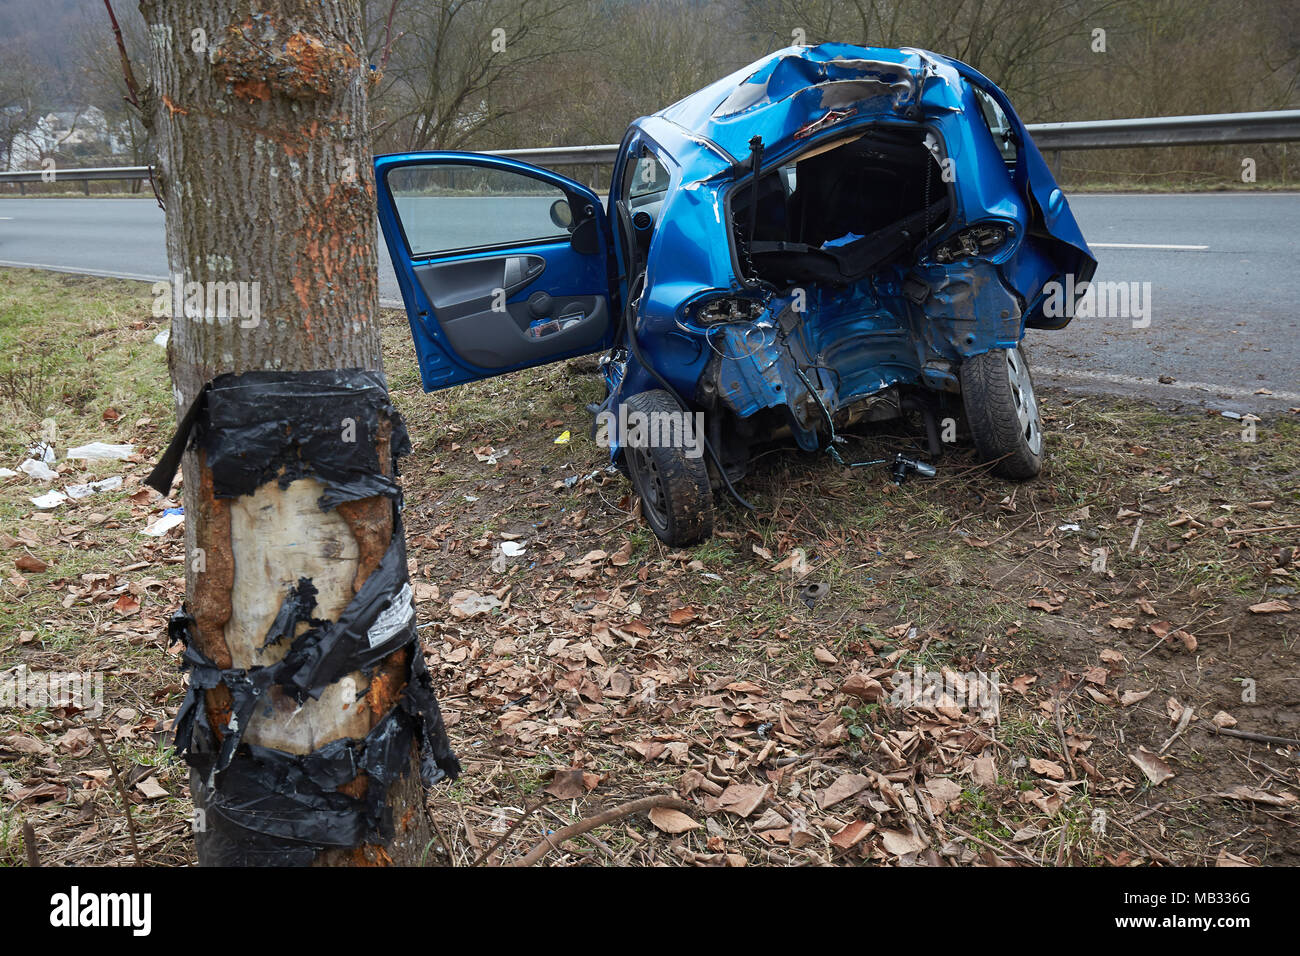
<point x="38" y="470"/>
<point x="163" y="525"/>
<point x="42" y="452"/>
<point x="51" y="499"/>
<point x="100" y="451"/>
<point x="512" y="549"/>
<point x="8" y="473"/>
<point x="162" y="337"/>
<point x="93" y="488"/>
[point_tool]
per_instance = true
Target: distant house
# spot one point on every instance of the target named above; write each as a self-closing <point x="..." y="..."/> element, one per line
<point x="27" y="146"/>
<point x="79" y="127"/>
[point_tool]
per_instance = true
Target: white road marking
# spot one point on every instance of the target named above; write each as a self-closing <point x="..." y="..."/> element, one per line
<point x="1131" y="380"/>
<point x="7" y="218"/>
<point x="81" y="270"/>
<point x="1146" y="245"/>
<point x="1224" y="193"/>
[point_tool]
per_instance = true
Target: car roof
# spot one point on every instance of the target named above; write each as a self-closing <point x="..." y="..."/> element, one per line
<point x="781" y="94"/>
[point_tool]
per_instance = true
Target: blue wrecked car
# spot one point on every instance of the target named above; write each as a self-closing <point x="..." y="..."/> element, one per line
<point x="832" y="235"/>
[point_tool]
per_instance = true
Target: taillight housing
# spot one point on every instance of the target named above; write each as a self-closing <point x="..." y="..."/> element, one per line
<point x="981" y="240"/>
<point x="722" y="309"/>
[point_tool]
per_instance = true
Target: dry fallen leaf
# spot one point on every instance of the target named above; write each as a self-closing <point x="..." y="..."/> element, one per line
<point x="861" y="686"/>
<point x="25" y="744"/>
<point x="568" y="784"/>
<point x="742" y="799"/>
<point x="1047" y="768"/>
<point x="843" y="788"/>
<point x="672" y="821"/>
<point x="853" y="834"/>
<point x="1257" y="795"/>
<point x="467" y="604"/>
<point x="943" y="793"/>
<point x="76" y="742"/>
<point x="1096" y="675"/>
<point x="151" y="788"/>
<point x="983" y="772"/>
<point x="683" y="615"/>
<point x="1224" y="719"/>
<point x="1230" y="859"/>
<point x="796" y="562"/>
<point x="1271" y="607"/>
<point x="1156" y="770"/>
<point x="901" y="842"/>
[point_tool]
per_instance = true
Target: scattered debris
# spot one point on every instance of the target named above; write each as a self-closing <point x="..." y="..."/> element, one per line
<point x="101" y="451"/>
<point x="38" y="470"/>
<point x="170" y="518"/>
<point x="94" y="487"/>
<point x="51" y="499"/>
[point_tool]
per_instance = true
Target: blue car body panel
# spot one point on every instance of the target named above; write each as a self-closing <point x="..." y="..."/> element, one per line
<point x="910" y="322"/>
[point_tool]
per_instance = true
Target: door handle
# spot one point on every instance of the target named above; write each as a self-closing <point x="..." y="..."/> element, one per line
<point x="518" y="271"/>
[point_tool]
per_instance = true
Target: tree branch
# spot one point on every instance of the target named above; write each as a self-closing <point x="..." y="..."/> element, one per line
<point x="132" y="90"/>
<point x="553" y="840"/>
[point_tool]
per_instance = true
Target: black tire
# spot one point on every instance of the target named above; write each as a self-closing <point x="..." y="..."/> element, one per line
<point x="676" y="496"/>
<point x="1002" y="412"/>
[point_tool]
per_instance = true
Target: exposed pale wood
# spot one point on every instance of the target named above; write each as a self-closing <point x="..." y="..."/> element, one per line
<point x="278" y="536"/>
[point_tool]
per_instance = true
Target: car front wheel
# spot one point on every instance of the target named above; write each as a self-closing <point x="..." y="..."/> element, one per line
<point x="676" y="496"/>
<point x="1002" y="412"/>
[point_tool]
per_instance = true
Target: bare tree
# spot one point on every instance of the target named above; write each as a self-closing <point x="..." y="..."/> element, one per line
<point x="450" y="60"/>
<point x="18" y="105"/>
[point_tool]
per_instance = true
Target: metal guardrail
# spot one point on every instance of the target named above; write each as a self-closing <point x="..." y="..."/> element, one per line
<point x="1271" y="126"/>
<point x="84" y="176"/>
<point x="1209" y="129"/>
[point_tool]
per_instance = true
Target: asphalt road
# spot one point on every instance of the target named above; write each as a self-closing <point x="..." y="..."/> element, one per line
<point x="1224" y="274"/>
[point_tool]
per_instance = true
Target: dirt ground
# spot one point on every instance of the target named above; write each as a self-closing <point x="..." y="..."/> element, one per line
<point x="1055" y="672"/>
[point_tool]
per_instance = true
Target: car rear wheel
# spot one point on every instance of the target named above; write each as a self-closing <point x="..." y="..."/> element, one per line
<point x="676" y="496"/>
<point x="1002" y="412"/>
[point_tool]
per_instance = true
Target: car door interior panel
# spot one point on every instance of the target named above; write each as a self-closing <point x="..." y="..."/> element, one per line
<point x="472" y="299"/>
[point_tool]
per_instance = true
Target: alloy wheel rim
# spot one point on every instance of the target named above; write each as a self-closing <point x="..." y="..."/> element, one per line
<point x="650" y="485"/>
<point x="1022" y="395"/>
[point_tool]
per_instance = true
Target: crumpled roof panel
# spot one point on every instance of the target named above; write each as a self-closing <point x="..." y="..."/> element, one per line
<point x="793" y="89"/>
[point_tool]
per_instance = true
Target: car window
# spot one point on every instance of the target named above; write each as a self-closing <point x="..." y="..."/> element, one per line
<point x="998" y="125"/>
<point x="645" y="177"/>
<point x="450" y="207"/>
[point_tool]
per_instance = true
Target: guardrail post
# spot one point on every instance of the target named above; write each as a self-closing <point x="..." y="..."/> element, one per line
<point x="85" y="186"/>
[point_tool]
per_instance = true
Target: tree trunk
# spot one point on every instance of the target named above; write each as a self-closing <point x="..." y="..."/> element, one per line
<point x="258" y="113"/>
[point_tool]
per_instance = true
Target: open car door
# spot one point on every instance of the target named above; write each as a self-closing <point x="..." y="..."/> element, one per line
<point x="502" y="265"/>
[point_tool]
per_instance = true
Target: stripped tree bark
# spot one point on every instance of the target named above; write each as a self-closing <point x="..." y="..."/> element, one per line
<point x="258" y="113"/>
